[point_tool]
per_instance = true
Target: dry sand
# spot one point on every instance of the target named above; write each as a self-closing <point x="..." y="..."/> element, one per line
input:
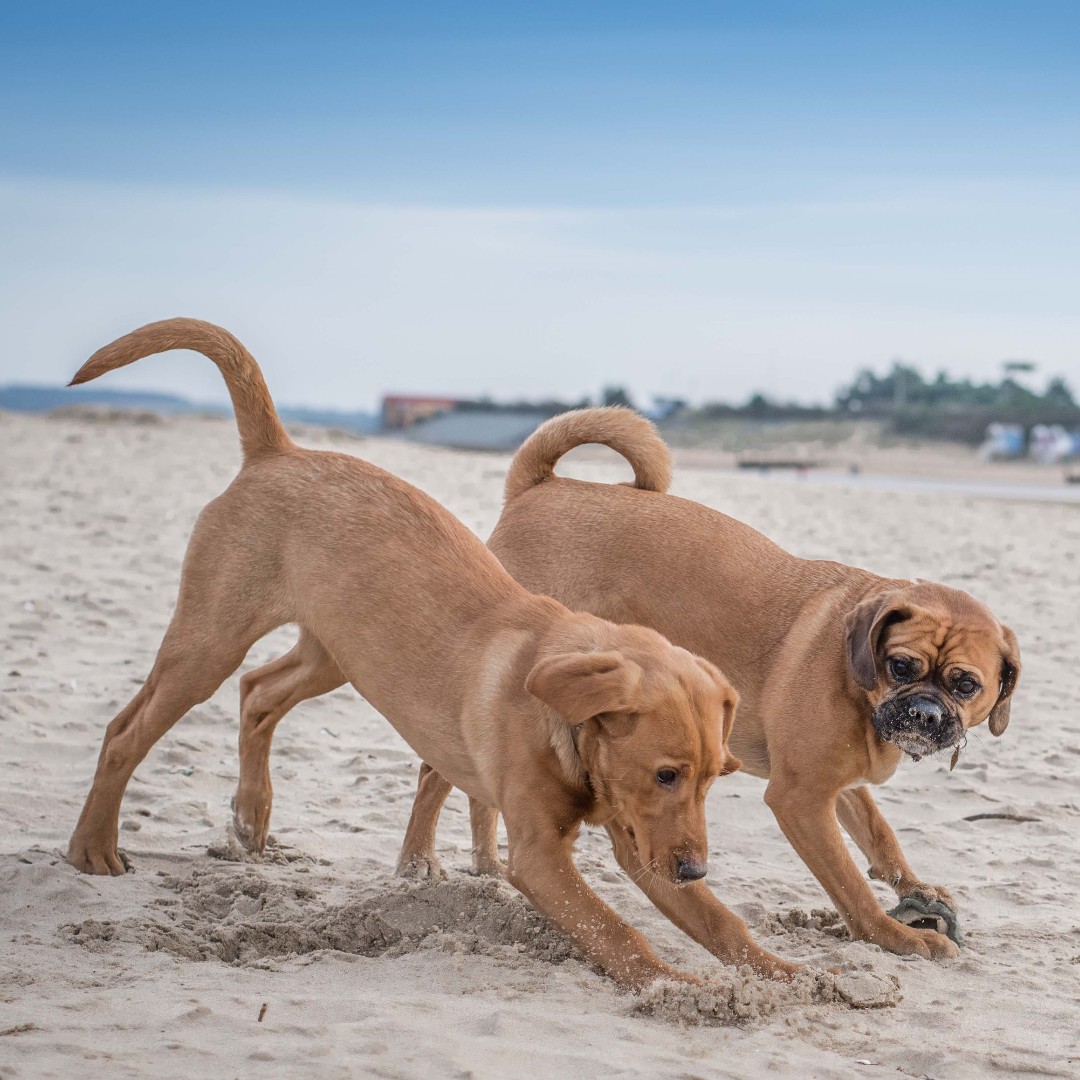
<point x="166" y="972"/>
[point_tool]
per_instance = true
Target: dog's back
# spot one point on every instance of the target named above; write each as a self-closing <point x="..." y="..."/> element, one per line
<point x="613" y="549"/>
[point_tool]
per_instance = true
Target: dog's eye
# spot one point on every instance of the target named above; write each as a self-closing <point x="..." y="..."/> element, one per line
<point x="900" y="668"/>
<point x="966" y="687"/>
<point x="666" y="777"/>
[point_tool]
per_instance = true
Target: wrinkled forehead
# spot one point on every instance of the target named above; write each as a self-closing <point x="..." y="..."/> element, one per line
<point x="944" y="639"/>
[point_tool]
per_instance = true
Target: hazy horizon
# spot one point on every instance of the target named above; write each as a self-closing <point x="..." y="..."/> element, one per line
<point x="704" y="201"/>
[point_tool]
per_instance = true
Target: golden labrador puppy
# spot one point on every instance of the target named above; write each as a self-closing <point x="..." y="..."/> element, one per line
<point x="551" y="716"/>
<point x="839" y="672"/>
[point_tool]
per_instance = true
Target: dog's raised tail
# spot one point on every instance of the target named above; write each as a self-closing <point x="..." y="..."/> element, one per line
<point x="627" y="433"/>
<point x="261" y="430"/>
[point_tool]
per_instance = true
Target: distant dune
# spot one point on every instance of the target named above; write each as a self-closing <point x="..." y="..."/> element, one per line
<point x="34" y="398"/>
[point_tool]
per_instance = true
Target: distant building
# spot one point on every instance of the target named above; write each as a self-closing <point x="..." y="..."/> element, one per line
<point x="400" y="411"/>
<point x="478" y="429"/>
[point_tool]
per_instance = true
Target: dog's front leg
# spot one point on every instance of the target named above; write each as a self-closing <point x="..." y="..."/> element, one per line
<point x="417" y="858"/>
<point x="541" y="867"/>
<point x="484" y="821"/>
<point x="696" y="912"/>
<point x="864" y="823"/>
<point x="807" y="815"/>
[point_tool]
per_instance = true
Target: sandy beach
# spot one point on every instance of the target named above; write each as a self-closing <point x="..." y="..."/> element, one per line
<point x="317" y="961"/>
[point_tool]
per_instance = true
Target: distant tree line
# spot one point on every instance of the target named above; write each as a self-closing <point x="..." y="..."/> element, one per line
<point x="948" y="408"/>
<point x="941" y="407"/>
<point x="908" y="403"/>
<point x="904" y="387"/>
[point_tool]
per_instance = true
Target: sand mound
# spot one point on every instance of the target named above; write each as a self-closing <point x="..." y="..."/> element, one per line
<point x="743" y="995"/>
<point x="243" y="917"/>
<point x="822" y="920"/>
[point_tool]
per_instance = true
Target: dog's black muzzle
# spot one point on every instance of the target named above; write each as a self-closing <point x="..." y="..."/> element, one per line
<point x="918" y="723"/>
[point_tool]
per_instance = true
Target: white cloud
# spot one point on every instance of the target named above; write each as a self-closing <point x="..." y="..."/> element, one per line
<point x="342" y="302"/>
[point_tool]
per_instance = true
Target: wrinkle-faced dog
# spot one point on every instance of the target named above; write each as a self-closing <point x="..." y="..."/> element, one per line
<point x="840" y="672"/>
<point x="554" y="717"/>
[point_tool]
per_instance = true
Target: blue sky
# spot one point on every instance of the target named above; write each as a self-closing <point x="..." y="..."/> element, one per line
<point x="694" y="198"/>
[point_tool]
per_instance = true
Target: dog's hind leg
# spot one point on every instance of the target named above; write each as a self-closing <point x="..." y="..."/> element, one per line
<point x="179" y="680"/>
<point x="189" y="667"/>
<point x="220" y="613"/>
<point x="266" y="695"/>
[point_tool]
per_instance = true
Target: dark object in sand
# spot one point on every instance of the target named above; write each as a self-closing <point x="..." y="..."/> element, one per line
<point x="933" y="916"/>
<point x="1000" y="817"/>
<point x="765" y="464"/>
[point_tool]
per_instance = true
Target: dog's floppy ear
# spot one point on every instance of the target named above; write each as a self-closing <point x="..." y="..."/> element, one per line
<point x="1010" y="673"/>
<point x="579" y="686"/>
<point x="864" y="626"/>
<point x="729" y="703"/>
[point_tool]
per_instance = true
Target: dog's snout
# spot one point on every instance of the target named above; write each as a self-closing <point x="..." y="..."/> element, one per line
<point x="925" y="710"/>
<point x="918" y="723"/>
<point x="689" y="868"/>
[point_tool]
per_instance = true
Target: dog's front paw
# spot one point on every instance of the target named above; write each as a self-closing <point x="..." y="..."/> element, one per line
<point x="90" y="856"/>
<point x="928" y="894"/>
<point x="897" y="937"/>
<point x="420" y="866"/>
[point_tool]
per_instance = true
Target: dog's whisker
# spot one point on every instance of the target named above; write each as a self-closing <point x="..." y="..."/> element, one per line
<point x="644" y="869"/>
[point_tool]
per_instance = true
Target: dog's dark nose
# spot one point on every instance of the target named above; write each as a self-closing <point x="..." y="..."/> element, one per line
<point x="925" y="711"/>
<point x="690" y="869"/>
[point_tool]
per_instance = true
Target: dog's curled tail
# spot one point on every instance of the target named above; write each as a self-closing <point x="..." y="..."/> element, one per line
<point x="261" y="430"/>
<point x="627" y="433"/>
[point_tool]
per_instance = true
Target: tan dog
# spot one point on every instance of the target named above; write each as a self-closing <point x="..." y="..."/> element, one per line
<point x="553" y="717"/>
<point x="839" y="671"/>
